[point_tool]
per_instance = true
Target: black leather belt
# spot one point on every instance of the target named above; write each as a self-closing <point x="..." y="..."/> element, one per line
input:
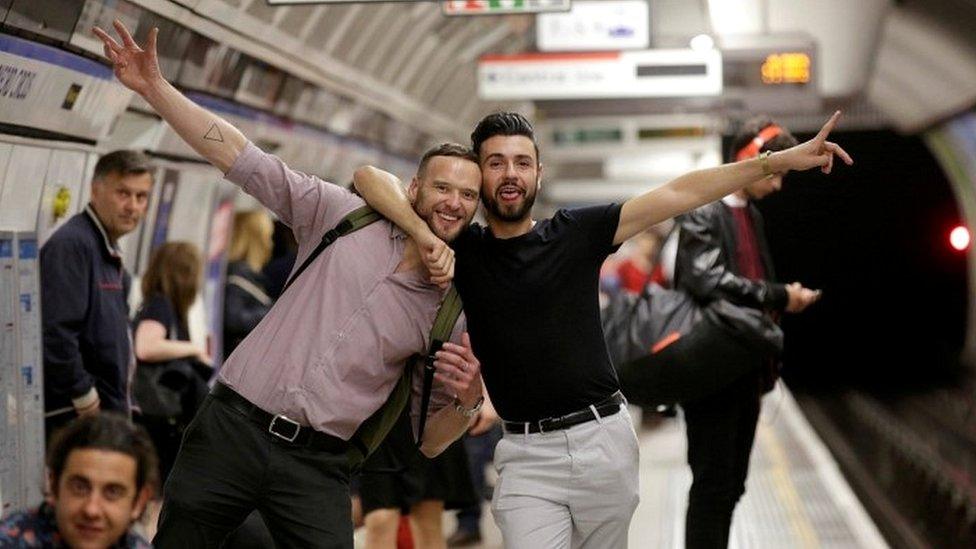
<point x="280" y="427"/>
<point x="605" y="408"/>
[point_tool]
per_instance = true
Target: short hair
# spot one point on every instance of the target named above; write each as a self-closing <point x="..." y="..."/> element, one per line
<point x="751" y="128"/>
<point x="123" y="162"/>
<point x="502" y="123"/>
<point x="453" y="150"/>
<point x="104" y="431"/>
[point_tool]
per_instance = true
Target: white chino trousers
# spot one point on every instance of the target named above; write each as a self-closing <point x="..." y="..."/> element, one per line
<point x="572" y="488"/>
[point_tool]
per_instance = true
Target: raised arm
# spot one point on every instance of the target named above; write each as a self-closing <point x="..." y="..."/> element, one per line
<point x="137" y="68"/>
<point x="700" y="187"/>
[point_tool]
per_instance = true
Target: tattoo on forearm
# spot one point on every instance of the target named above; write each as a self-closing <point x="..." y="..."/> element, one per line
<point x="213" y="134"/>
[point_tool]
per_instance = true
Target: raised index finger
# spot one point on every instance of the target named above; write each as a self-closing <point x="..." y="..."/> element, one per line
<point x="828" y="127"/>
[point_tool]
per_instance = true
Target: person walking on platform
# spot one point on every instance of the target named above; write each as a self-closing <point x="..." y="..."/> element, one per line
<point x="568" y="461"/>
<point x="722" y="254"/>
<point x="273" y="435"/>
<point x="88" y="359"/>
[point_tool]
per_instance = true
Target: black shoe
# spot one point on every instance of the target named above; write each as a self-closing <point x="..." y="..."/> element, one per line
<point x="463" y="538"/>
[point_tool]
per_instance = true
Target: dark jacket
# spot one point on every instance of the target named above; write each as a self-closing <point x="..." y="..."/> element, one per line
<point x="245" y="303"/>
<point x="85" y="316"/>
<point x="705" y="266"/>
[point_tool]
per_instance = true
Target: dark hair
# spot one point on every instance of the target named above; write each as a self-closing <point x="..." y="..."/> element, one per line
<point x="122" y="162"/>
<point x="104" y="431"/>
<point x="445" y="149"/>
<point x="502" y="123"/>
<point x="751" y="128"/>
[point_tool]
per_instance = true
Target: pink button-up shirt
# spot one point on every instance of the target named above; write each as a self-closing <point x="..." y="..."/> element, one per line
<point x="330" y="350"/>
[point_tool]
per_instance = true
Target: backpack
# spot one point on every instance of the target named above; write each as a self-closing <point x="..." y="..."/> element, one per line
<point x="374" y="429"/>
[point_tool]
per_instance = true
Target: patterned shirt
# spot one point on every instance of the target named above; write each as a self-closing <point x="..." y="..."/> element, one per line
<point x="38" y="528"/>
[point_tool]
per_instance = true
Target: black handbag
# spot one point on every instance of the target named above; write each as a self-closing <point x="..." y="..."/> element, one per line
<point x="667" y="348"/>
<point x="162" y="388"/>
<point x="171" y="389"/>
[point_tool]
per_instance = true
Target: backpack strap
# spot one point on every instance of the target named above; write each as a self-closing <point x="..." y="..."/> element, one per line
<point x="354" y="220"/>
<point x="440" y="332"/>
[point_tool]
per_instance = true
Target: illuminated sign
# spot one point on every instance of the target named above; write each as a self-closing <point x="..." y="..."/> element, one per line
<point x="786" y="68"/>
<point x="496" y="7"/>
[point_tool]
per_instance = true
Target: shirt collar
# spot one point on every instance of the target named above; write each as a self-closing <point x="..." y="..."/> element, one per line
<point x="111" y="248"/>
<point x="734" y="201"/>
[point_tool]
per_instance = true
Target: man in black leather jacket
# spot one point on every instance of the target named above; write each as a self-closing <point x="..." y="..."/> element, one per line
<point x="722" y="254"/>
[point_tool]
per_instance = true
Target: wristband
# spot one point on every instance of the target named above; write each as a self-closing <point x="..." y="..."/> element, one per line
<point x="764" y="162"/>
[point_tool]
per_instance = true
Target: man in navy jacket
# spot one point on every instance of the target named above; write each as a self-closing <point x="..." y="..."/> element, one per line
<point x="84" y="286"/>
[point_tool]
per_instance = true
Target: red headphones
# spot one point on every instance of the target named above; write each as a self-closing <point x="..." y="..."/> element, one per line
<point x="765" y="136"/>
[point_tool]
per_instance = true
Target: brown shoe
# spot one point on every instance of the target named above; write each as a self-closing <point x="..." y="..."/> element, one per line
<point x="464" y="538"/>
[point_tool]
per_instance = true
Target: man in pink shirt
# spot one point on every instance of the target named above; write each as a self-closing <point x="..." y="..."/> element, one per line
<point x="273" y="434"/>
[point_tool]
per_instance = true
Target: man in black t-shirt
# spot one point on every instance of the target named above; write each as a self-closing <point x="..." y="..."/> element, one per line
<point x="568" y="463"/>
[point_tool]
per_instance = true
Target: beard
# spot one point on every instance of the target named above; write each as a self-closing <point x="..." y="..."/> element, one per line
<point x="509" y="212"/>
<point x="429" y="216"/>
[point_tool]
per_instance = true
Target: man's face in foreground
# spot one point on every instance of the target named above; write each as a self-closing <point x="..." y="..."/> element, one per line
<point x="96" y="500"/>
<point x="510" y="176"/>
<point x="445" y="194"/>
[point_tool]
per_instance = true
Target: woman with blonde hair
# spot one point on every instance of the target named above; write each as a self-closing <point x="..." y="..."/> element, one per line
<point x="246" y="299"/>
<point x="172" y="371"/>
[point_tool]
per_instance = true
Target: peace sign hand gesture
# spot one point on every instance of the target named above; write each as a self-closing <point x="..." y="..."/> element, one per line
<point x="137" y="68"/>
<point x="817" y="151"/>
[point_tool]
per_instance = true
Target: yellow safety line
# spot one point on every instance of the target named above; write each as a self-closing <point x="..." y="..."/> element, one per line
<point x="785" y="488"/>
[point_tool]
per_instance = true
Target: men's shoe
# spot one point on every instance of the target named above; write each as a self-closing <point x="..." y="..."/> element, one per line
<point x="464" y="538"/>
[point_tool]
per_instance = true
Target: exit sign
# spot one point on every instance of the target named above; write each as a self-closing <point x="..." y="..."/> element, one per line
<point x="496" y="7"/>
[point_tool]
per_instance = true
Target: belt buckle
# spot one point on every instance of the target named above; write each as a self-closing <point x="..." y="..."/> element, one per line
<point x="546" y="421"/>
<point x="285" y="419"/>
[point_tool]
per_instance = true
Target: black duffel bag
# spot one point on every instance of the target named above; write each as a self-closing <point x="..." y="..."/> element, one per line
<point x="667" y="348"/>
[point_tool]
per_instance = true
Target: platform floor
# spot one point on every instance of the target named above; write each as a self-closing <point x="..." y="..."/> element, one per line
<point x="795" y="495"/>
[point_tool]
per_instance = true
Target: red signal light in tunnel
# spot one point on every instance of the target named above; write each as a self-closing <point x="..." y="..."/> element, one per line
<point x="959" y="238"/>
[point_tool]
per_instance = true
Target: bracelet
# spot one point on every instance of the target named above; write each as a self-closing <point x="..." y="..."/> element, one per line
<point x="468" y="412"/>
<point x="764" y="162"/>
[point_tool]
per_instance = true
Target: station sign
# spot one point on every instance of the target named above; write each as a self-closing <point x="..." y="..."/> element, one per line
<point x="598" y="75"/>
<point x="50" y="89"/>
<point x="596" y="26"/>
<point x="499" y="7"/>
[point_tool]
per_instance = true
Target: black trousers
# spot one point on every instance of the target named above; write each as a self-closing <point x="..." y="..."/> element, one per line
<point x="721" y="429"/>
<point x="229" y="466"/>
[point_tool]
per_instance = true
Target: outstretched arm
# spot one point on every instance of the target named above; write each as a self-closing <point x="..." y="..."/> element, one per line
<point x="700" y="187"/>
<point x="384" y="193"/>
<point x="138" y="69"/>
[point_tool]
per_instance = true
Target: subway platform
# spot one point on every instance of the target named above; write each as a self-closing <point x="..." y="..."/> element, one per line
<point x="795" y="496"/>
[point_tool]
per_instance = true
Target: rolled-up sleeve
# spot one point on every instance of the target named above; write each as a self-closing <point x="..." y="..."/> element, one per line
<point x="301" y="201"/>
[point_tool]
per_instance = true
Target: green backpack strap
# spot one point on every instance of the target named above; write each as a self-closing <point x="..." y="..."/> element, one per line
<point x="354" y="220"/>
<point x="440" y="332"/>
<point x="374" y="429"/>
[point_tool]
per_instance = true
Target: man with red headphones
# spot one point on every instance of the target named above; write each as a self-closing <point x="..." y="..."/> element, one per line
<point x="722" y="254"/>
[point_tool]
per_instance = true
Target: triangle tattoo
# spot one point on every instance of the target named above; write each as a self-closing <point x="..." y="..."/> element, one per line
<point x="214" y="134"/>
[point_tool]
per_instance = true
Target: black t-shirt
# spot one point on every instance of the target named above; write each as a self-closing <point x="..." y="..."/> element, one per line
<point x="533" y="312"/>
<point x="157" y="307"/>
